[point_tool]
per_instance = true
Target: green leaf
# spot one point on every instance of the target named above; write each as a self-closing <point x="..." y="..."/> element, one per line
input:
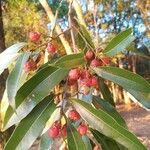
<point x="87" y="142"/>
<point x="45" y="142"/>
<point x="107" y="107"/>
<point x="31" y="127"/>
<point x="74" y="139"/>
<point x="9" y="55"/>
<point x="14" y="78"/>
<point x="107" y="95"/>
<point x="104" y="123"/>
<point x="70" y="61"/>
<point x="105" y="142"/>
<point x="140" y="97"/>
<point x="87" y="36"/>
<point x="119" y="43"/>
<point x="32" y="92"/>
<point x="124" y="78"/>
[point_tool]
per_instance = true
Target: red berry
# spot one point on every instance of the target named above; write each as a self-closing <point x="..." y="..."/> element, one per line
<point x="96" y="63"/>
<point x="57" y="124"/>
<point x="51" y="48"/>
<point x="74" y="74"/>
<point x="74" y="115"/>
<point x="94" y="81"/>
<point x="89" y="55"/>
<point x="96" y="147"/>
<point x="85" y="82"/>
<point x="64" y="131"/>
<point x="84" y="74"/>
<point x="106" y="60"/>
<point x="30" y="65"/>
<point x="53" y="132"/>
<point x="34" y="36"/>
<point x="72" y="82"/>
<point x="82" y="129"/>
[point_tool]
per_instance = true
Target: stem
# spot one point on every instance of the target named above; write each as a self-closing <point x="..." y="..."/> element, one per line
<point x="70" y="24"/>
<point x="95" y="24"/>
<point x="58" y="28"/>
<point x="51" y="38"/>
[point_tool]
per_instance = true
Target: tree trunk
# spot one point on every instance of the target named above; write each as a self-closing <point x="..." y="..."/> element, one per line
<point x="2" y="48"/>
<point x="2" y="39"/>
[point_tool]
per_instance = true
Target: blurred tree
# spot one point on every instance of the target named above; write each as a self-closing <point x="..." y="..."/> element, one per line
<point x="21" y="17"/>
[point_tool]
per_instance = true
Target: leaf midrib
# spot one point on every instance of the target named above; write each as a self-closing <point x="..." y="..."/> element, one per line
<point x="34" y="123"/>
<point x="118" y="43"/>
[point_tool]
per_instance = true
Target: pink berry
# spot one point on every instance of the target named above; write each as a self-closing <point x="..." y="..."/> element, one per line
<point x="96" y="63"/>
<point x="106" y="60"/>
<point x="84" y="74"/>
<point x="30" y="65"/>
<point x="34" y="36"/>
<point x="85" y="82"/>
<point x="94" y="81"/>
<point x="64" y="131"/>
<point x="72" y="82"/>
<point x="51" y="48"/>
<point x="74" y="115"/>
<point x="53" y="132"/>
<point x="57" y="124"/>
<point x="96" y="147"/>
<point x="74" y="74"/>
<point x="89" y="55"/>
<point x="82" y="129"/>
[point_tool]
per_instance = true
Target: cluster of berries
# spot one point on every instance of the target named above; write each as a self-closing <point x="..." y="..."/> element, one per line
<point x="56" y="129"/>
<point x="31" y="65"/>
<point x="95" y="62"/>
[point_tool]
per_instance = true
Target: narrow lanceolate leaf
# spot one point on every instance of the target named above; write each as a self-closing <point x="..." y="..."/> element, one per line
<point x="142" y="98"/>
<point x="74" y="139"/>
<point x="70" y="61"/>
<point x="107" y="107"/>
<point x="124" y="78"/>
<point x="32" y="92"/>
<point x="104" y="123"/>
<point x="119" y="43"/>
<point x="13" y="80"/>
<point x="31" y="127"/>
<point x="107" y="95"/>
<point x="105" y="142"/>
<point x="87" y="142"/>
<point x="87" y="36"/>
<point x="45" y="142"/>
<point x="9" y="55"/>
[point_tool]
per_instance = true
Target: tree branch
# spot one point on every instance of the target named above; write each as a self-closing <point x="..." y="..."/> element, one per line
<point x="58" y="28"/>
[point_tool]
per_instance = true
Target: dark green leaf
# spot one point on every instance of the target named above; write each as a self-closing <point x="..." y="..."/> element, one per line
<point x="87" y="142"/>
<point x="32" y="92"/>
<point x="9" y="55"/>
<point x="70" y="61"/>
<point x="31" y="127"/>
<point x="104" y="105"/>
<point x="14" y="78"/>
<point x="106" y="143"/>
<point x="104" y="123"/>
<point x="107" y="95"/>
<point x="87" y="36"/>
<point x="45" y="142"/>
<point x="141" y="98"/>
<point x="119" y="43"/>
<point x="74" y="139"/>
<point x="124" y="78"/>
